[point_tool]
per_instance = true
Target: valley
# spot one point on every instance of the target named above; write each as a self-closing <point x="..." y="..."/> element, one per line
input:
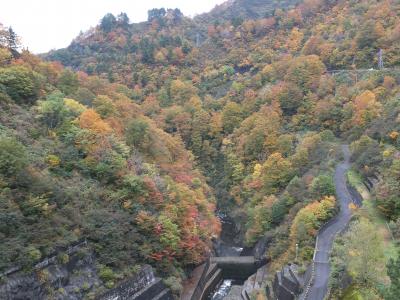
<point x="205" y="149"/>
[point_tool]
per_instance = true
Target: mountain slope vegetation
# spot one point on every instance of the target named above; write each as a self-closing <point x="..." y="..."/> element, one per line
<point x="245" y="105"/>
<point x="79" y="159"/>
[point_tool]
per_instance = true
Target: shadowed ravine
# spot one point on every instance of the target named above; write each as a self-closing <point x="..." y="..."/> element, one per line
<point x="226" y="246"/>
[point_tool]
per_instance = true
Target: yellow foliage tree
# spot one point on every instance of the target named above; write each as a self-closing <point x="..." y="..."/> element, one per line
<point x="74" y="106"/>
<point x="276" y="172"/>
<point x="91" y="120"/>
<point x="307" y="222"/>
<point x="365" y="108"/>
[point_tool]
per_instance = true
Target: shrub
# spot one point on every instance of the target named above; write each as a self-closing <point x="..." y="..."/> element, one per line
<point x="53" y="160"/>
<point x="29" y="256"/>
<point x="5" y="56"/>
<point x="106" y="274"/>
<point x="63" y="258"/>
<point x="43" y="276"/>
<point x="174" y="284"/>
<point x="85" y="286"/>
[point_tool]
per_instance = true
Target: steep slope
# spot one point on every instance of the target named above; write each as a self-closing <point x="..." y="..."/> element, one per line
<point x="215" y="91"/>
<point x="79" y="159"/>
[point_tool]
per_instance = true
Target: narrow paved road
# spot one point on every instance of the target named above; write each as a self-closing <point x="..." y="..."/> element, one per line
<point x="326" y="236"/>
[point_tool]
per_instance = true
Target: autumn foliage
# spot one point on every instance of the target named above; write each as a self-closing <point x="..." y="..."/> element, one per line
<point x="241" y="110"/>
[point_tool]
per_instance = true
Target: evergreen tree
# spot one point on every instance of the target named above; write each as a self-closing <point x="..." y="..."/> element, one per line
<point x="123" y="20"/>
<point x="393" y="269"/>
<point x="108" y="22"/>
<point x="156" y="13"/>
<point x="12" y="41"/>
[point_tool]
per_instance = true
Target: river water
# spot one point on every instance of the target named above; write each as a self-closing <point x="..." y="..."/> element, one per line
<point x="222" y="291"/>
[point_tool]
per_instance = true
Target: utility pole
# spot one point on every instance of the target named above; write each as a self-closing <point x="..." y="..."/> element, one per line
<point x="297" y="252"/>
<point x="380" y="59"/>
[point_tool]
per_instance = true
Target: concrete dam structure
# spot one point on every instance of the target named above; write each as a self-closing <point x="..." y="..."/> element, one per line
<point x="217" y="269"/>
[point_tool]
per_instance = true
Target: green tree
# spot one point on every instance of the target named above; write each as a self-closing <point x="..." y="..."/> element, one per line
<point x="104" y="106"/>
<point x="68" y="82"/>
<point x="200" y="127"/>
<point x="276" y="172"/>
<point x="232" y="116"/>
<point x="279" y="210"/>
<point x="13" y="157"/>
<point x="84" y="96"/>
<point x="13" y="42"/>
<point x="123" y="20"/>
<point x="363" y="252"/>
<point x="234" y="169"/>
<point x="366" y="153"/>
<point x="290" y="98"/>
<point x="388" y="191"/>
<point x="367" y="35"/>
<point x="393" y="270"/>
<point x="132" y="186"/>
<point x="170" y="233"/>
<point x="19" y="83"/>
<point x="260" y="218"/>
<point x="108" y="167"/>
<point x="156" y="14"/>
<point x="305" y="72"/>
<point x="137" y="133"/>
<point x="108" y="22"/>
<point x="182" y="91"/>
<point x="147" y="48"/>
<point x="52" y="111"/>
<point x="323" y="186"/>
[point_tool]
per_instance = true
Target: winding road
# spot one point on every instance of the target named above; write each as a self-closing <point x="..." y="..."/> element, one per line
<point x="327" y="235"/>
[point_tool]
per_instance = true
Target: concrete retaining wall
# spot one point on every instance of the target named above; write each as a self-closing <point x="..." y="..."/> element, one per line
<point x="50" y="259"/>
<point x="143" y="286"/>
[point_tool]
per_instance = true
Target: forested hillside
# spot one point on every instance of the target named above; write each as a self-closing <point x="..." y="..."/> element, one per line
<point x="78" y="158"/>
<point x="149" y="127"/>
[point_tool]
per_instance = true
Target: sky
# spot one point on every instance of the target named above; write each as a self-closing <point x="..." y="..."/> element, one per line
<point x="52" y="24"/>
